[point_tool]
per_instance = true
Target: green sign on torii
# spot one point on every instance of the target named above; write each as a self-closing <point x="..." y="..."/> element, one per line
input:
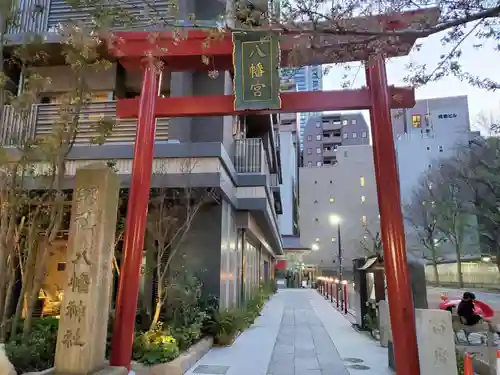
<point x="256" y="61"/>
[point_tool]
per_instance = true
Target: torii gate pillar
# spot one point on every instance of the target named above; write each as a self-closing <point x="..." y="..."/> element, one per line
<point x="401" y="310"/>
<point x="137" y="211"/>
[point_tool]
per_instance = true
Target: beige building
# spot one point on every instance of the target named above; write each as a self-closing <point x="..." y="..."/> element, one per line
<point x="348" y="191"/>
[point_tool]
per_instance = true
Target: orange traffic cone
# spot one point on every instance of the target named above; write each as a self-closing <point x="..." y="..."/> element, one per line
<point x="468" y="370"/>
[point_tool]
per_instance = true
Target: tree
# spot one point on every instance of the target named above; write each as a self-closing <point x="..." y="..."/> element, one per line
<point x="371" y="243"/>
<point x="171" y="213"/>
<point x="481" y="170"/>
<point x="31" y="220"/>
<point x="421" y="213"/>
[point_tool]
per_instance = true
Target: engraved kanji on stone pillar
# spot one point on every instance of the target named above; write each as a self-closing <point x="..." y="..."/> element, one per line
<point x="81" y="340"/>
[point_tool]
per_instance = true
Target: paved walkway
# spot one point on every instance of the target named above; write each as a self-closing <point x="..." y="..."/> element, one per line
<point x="299" y="333"/>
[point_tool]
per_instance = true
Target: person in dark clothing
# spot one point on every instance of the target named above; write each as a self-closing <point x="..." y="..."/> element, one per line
<point x="466" y="310"/>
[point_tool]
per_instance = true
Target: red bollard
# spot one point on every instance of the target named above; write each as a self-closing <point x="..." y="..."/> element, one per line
<point x="344" y="292"/>
<point x="468" y="370"/>
<point x="337" y="293"/>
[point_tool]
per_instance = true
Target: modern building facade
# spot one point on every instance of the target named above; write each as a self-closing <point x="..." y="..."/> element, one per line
<point x="346" y="190"/>
<point x="430" y="131"/>
<point x="324" y="134"/>
<point x="231" y="245"/>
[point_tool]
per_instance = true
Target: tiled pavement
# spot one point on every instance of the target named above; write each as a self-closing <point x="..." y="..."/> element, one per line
<point x="299" y="333"/>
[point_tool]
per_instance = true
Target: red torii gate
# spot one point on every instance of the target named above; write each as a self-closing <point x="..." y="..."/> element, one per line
<point x="163" y="51"/>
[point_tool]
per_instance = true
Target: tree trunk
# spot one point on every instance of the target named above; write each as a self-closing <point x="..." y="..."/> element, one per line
<point x="40" y="270"/>
<point x="156" y="316"/>
<point x="8" y="296"/>
<point x="459" y="265"/>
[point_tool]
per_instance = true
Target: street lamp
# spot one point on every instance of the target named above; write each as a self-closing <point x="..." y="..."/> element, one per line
<point x="335" y="220"/>
<point x="314" y="247"/>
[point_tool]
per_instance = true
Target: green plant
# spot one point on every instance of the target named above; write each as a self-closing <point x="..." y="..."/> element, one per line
<point x="460" y="363"/>
<point x="36" y="351"/>
<point x="226" y="325"/>
<point x="155" y="346"/>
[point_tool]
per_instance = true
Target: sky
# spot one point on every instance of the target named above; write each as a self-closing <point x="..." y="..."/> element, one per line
<point x="482" y="62"/>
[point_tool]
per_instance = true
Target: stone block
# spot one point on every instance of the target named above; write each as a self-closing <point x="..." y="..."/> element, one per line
<point x="6" y="368"/>
<point x="384" y="323"/>
<point x="81" y="340"/>
<point x="436" y="344"/>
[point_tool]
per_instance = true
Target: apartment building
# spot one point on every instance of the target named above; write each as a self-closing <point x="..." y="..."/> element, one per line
<point x="324" y="134"/>
<point x="238" y="157"/>
<point x="348" y="191"/>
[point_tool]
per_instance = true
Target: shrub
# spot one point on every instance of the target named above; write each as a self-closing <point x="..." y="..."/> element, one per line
<point x="226" y="325"/>
<point x="154" y="347"/>
<point x="37" y="351"/>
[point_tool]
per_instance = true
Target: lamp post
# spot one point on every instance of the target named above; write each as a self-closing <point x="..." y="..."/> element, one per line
<point x="335" y="220"/>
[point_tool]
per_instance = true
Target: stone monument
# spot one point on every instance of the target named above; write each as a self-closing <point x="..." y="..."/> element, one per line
<point x="384" y="323"/>
<point x="81" y="340"/>
<point x="436" y="343"/>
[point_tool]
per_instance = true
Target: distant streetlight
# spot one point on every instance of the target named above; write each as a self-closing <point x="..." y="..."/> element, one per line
<point x="314" y="247"/>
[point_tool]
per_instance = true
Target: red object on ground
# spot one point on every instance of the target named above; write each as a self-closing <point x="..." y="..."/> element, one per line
<point x="468" y="368"/>
<point x="135" y="225"/>
<point x="402" y="315"/>
<point x="480" y="307"/>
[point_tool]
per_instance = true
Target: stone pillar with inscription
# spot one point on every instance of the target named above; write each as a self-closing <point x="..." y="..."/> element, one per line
<point x="436" y="342"/>
<point x="81" y="340"/>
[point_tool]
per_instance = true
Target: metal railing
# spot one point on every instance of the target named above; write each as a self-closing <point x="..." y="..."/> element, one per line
<point x="273" y="180"/>
<point x="16" y="128"/>
<point x="250" y="156"/>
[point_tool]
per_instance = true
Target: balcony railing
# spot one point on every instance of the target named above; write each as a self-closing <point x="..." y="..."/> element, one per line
<point x="250" y="156"/>
<point x="273" y="180"/>
<point x="16" y="128"/>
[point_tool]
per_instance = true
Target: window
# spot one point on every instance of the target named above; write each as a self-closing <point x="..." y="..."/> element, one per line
<point x="332" y="200"/>
<point x="345" y="154"/>
<point x="428" y="148"/>
<point x="318" y="137"/>
<point x="429" y="166"/>
<point x="363" y="199"/>
<point x="346" y="135"/>
<point x="344" y="122"/>
<point x="440" y="148"/>
<point x="355" y="135"/>
<point x="316" y="220"/>
<point x="317" y="239"/>
<point x="315" y="202"/>
<point x="416" y="121"/>
<point x="318" y="124"/>
<point x="61" y="266"/>
<point x="309" y="164"/>
<point x="334" y="239"/>
<point x="362" y="181"/>
<point x="364" y="134"/>
<point x="309" y="151"/>
<point x="318" y="164"/>
<point x="318" y="150"/>
<point x="354" y="122"/>
<point x="363" y="220"/>
<point x="331" y="181"/>
<point x="309" y="137"/>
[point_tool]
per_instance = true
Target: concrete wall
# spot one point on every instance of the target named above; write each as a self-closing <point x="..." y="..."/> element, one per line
<point x="288" y="154"/>
<point x="338" y="190"/>
<point x="479" y="274"/>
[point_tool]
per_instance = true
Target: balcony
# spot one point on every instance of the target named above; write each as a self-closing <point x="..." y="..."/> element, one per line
<point x="331" y="125"/>
<point x="250" y="156"/>
<point x="16" y="128"/>
<point x="45" y="16"/>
